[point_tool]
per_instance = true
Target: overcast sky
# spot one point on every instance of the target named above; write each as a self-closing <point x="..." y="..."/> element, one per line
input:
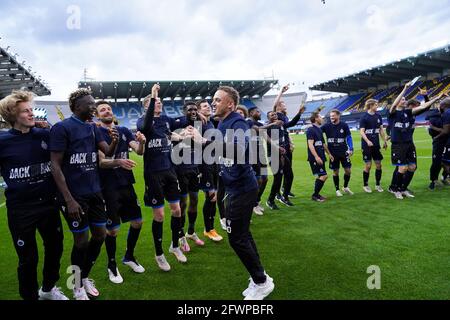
<point x="300" y="41"/>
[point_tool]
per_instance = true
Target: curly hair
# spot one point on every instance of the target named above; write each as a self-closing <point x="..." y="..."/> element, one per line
<point x="78" y="94"/>
<point x="9" y="104"/>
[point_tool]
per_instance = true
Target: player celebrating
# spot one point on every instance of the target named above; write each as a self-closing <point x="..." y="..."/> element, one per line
<point x="241" y="190"/>
<point x="403" y="151"/>
<point x="74" y="145"/>
<point x="209" y="176"/>
<point x="288" y="174"/>
<point x="30" y="197"/>
<point x="117" y="182"/>
<point x="371" y="127"/>
<point x="445" y="107"/>
<point x="316" y="155"/>
<point x="340" y="144"/>
<point x="188" y="178"/>
<point x="261" y="163"/>
<point x="160" y="177"/>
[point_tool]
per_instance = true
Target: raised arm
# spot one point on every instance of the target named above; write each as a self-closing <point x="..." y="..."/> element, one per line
<point x="427" y="105"/>
<point x="278" y="98"/>
<point x="399" y="98"/>
<point x="296" y="119"/>
<point x="148" y="121"/>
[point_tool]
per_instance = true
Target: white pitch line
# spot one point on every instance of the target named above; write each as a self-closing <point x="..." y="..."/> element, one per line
<point x="2" y="205"/>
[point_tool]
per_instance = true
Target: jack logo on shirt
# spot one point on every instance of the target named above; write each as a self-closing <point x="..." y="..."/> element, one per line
<point x="155" y="143"/>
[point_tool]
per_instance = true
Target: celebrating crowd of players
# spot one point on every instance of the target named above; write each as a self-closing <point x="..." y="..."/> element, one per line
<point x="82" y="168"/>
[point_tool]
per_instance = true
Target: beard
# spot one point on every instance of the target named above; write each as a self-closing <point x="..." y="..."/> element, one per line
<point x="107" y="120"/>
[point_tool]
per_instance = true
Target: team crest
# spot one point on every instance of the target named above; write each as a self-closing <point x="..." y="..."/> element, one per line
<point x="44" y="145"/>
<point x="342" y="130"/>
<point x="124" y="138"/>
<point x="75" y="224"/>
<point x="20" y="243"/>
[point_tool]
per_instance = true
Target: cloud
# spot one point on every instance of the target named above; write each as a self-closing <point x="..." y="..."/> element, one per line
<point x="300" y="41"/>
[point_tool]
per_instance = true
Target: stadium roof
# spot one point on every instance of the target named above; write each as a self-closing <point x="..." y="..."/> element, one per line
<point x="175" y="89"/>
<point x="434" y="61"/>
<point x="13" y="75"/>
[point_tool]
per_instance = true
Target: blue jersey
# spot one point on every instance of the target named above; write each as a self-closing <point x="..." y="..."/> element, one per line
<point x="157" y="131"/>
<point x="237" y="178"/>
<point x="112" y="179"/>
<point x="285" y="119"/>
<point x="435" y="119"/>
<point x="402" y="126"/>
<point x="315" y="133"/>
<point x="186" y="148"/>
<point x="337" y="135"/>
<point x="257" y="146"/>
<point x="372" y="124"/>
<point x="446" y="121"/>
<point x="25" y="166"/>
<point x="278" y="136"/>
<point x="79" y="142"/>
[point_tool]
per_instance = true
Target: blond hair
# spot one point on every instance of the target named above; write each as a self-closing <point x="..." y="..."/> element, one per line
<point x="243" y="109"/>
<point x="9" y="105"/>
<point x="369" y="103"/>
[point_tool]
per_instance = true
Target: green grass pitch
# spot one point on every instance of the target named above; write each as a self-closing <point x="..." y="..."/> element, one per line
<point x="313" y="251"/>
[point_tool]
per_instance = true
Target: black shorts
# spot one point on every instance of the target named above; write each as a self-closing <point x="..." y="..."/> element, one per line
<point x="339" y="160"/>
<point x="208" y="179"/>
<point x="94" y="213"/>
<point x="160" y="185"/>
<point x="438" y="151"/>
<point x="318" y="170"/>
<point x="26" y="218"/>
<point x="121" y="205"/>
<point x="260" y="170"/>
<point x="446" y="155"/>
<point x="189" y="181"/>
<point x="372" y="154"/>
<point x="403" y="154"/>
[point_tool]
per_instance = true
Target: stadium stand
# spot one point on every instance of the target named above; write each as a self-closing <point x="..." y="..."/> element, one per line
<point x="14" y="75"/>
<point x="385" y="82"/>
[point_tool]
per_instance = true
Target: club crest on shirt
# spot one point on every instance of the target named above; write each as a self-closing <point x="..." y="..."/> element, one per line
<point x="342" y="130"/>
<point x="44" y="145"/>
<point x="124" y="138"/>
